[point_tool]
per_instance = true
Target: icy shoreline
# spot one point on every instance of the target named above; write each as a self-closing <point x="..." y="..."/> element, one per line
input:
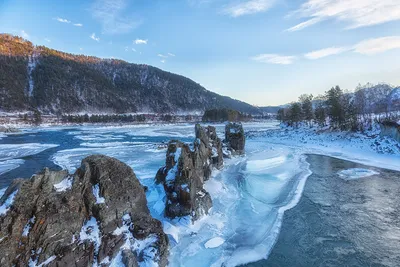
<point x="368" y="149"/>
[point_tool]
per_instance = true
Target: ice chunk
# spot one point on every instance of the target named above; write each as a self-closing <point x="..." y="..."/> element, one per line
<point x="171" y="230"/>
<point x="64" y="185"/>
<point x="214" y="242"/>
<point x="7" y="204"/>
<point x="356" y="173"/>
<point x="96" y="193"/>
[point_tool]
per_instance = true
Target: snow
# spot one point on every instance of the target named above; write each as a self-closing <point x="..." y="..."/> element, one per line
<point x="8" y="203"/>
<point x="356" y="173"/>
<point x="90" y="231"/>
<point x="28" y="226"/>
<point x="64" y="185"/>
<point x="33" y="263"/>
<point x="214" y="242"/>
<point x="173" y="171"/>
<point x="146" y="247"/>
<point x="96" y="193"/>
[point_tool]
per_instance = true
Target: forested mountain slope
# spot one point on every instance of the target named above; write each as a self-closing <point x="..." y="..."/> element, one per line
<point x="36" y="77"/>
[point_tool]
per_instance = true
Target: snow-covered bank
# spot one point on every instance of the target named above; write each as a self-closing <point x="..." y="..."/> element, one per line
<point x="369" y="149"/>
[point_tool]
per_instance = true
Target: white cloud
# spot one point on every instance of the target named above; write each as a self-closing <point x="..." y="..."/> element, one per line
<point x="78" y="24"/>
<point x="63" y="20"/>
<point x="171" y="55"/>
<point x="140" y="41"/>
<point x="274" y="59"/>
<point x="356" y="13"/>
<point x="304" y="24"/>
<point x="47" y="40"/>
<point x="93" y="36"/>
<point x="377" y="45"/>
<point x="80" y="48"/>
<point x="133" y="49"/>
<point x="24" y="34"/>
<point x="163" y="56"/>
<point x="111" y="14"/>
<point x="163" y="61"/>
<point x="248" y="7"/>
<point x="326" y="52"/>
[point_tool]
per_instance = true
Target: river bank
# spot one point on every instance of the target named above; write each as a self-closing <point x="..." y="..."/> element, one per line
<point x="341" y="220"/>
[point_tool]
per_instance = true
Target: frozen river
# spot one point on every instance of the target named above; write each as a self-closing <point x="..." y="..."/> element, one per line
<point x="249" y="195"/>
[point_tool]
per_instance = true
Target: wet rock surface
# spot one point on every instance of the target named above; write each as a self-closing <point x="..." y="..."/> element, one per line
<point x="186" y="169"/>
<point x="235" y="139"/>
<point x="94" y="217"/>
<point x="341" y="222"/>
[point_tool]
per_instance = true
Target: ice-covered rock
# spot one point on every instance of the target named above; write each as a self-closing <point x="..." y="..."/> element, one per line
<point x="235" y="138"/>
<point x="186" y="169"/>
<point x="73" y="220"/>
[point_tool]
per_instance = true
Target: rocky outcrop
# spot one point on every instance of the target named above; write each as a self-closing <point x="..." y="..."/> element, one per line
<point x="186" y="169"/>
<point x="234" y="138"/>
<point x="97" y="216"/>
<point x="390" y="129"/>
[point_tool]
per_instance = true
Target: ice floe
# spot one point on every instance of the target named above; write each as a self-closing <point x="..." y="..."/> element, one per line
<point x="214" y="242"/>
<point x="13" y="151"/>
<point x="356" y="173"/>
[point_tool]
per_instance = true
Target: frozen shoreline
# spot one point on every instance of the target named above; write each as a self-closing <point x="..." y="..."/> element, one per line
<point x="368" y="149"/>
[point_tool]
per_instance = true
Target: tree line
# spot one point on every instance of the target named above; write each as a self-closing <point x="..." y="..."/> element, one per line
<point x="337" y="108"/>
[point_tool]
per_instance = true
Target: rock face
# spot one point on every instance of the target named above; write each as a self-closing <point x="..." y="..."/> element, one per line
<point x="235" y="138"/>
<point x="97" y="216"/>
<point x="186" y="169"/>
<point x="390" y="129"/>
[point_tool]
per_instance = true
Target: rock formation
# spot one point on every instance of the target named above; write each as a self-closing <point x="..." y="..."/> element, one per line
<point x="95" y="217"/>
<point x="235" y="138"/>
<point x="186" y="169"/>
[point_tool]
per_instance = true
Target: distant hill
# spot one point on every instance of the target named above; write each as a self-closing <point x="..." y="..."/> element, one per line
<point x="36" y="77"/>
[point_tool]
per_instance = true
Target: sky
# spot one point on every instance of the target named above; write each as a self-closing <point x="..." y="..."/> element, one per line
<point x="264" y="52"/>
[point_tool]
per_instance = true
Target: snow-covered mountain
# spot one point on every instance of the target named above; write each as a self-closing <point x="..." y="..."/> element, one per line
<point x="36" y="77"/>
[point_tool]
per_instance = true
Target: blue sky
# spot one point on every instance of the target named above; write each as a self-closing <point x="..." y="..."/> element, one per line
<point x="264" y="52"/>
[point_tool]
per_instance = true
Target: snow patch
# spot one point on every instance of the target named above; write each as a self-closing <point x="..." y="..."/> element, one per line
<point x="64" y="185"/>
<point x="28" y="226"/>
<point x="96" y="193"/>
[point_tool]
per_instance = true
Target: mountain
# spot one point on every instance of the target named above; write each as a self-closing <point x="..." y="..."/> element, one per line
<point x="36" y="77"/>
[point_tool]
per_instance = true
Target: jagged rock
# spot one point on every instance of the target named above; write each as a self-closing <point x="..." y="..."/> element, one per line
<point x="235" y="138"/>
<point x="81" y="219"/>
<point x="186" y="169"/>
